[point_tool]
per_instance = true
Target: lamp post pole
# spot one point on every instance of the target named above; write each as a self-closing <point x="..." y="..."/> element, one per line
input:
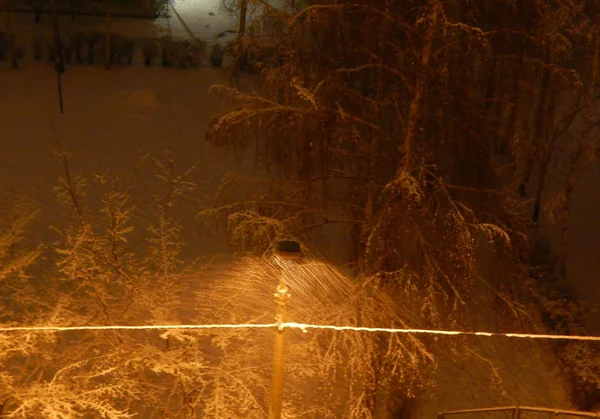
<point x="281" y="298"/>
<point x="286" y="251"/>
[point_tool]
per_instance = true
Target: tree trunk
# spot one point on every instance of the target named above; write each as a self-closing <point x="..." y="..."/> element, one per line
<point x="541" y="141"/>
<point x="416" y="104"/>
<point x="522" y="188"/>
<point x="12" y="49"/>
<point x="107" y="43"/>
<point x="382" y="392"/>
<point x="243" y="13"/>
<point x="37" y="11"/>
<point x="539" y="191"/>
<point x="513" y="123"/>
<point x="240" y="63"/>
<point x="566" y="216"/>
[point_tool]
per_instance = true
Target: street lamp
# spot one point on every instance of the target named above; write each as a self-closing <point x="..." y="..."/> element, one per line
<point x="286" y="251"/>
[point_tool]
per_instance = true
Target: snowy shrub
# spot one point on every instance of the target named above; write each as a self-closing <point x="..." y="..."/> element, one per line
<point x="50" y="52"/>
<point x="93" y="278"/>
<point x="94" y="42"/>
<point x="182" y="53"/>
<point x="3" y="46"/>
<point x="192" y="53"/>
<point x="10" y="50"/>
<point x="78" y="40"/>
<point x="121" y="50"/>
<point x="17" y="54"/>
<point x="252" y="56"/>
<point x="38" y="47"/>
<point x="150" y="51"/>
<point x="168" y="51"/>
<point x="216" y="55"/>
<point x="68" y="47"/>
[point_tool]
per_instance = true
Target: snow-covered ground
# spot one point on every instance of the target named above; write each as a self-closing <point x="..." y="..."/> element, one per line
<point x="112" y="120"/>
<point x="206" y="19"/>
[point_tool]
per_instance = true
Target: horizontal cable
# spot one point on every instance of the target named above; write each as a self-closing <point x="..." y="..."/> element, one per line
<point x="138" y="327"/>
<point x="292" y="325"/>
<point x="438" y="332"/>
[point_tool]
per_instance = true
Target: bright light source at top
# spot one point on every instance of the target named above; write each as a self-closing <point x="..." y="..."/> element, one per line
<point x="289" y="250"/>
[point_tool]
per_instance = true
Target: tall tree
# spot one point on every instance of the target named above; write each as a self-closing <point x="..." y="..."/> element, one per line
<point x="425" y="124"/>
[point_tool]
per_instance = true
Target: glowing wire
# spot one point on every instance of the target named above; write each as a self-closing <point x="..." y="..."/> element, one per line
<point x="292" y="325"/>
<point x="139" y="327"/>
<point x="305" y="327"/>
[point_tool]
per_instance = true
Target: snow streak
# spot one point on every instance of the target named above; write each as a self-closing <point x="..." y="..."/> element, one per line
<point x="292" y="325"/>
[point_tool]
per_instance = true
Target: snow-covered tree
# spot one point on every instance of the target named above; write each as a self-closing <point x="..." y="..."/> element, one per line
<point x="427" y="128"/>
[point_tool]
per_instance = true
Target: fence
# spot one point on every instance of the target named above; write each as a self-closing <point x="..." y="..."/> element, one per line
<point x="518" y="410"/>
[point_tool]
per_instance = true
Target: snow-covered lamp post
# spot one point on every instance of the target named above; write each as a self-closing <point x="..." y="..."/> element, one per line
<point x="287" y="250"/>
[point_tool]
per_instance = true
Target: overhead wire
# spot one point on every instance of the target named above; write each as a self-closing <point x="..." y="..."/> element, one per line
<point x="293" y="325"/>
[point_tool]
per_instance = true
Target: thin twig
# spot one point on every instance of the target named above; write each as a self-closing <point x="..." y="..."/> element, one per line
<point x="65" y="161"/>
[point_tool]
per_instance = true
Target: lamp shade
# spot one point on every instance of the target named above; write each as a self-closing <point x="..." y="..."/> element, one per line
<point x="289" y="250"/>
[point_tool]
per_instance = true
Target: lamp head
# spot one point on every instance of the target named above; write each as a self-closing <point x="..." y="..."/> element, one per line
<point x="289" y="250"/>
